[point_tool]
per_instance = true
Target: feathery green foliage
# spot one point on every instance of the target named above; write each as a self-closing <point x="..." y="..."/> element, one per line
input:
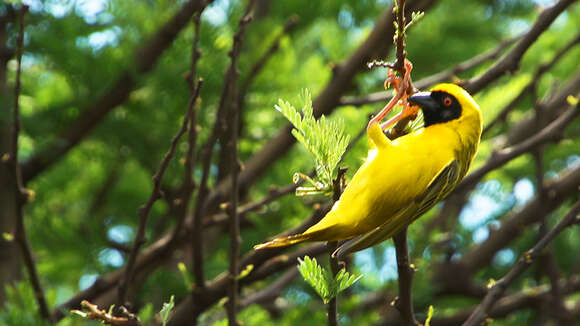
<point x="327" y="286"/>
<point x="323" y="138"/>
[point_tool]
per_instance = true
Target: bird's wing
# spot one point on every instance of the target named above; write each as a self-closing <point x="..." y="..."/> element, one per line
<point x="439" y="187"/>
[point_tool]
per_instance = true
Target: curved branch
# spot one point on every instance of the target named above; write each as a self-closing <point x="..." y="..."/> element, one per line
<point x="144" y="58"/>
<point x="497" y="290"/>
<point x="511" y="61"/>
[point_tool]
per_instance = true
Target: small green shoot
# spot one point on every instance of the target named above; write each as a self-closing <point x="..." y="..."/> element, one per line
<point x="166" y="310"/>
<point x="429" y="316"/>
<point x="9" y="237"/>
<point x="249" y="268"/>
<point x="327" y="286"/>
<point x="323" y="138"/>
<point x="185" y="275"/>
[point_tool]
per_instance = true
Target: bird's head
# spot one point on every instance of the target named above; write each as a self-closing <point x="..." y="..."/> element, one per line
<point x="446" y="102"/>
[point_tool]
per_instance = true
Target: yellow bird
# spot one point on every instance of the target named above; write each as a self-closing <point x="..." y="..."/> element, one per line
<point x="402" y="179"/>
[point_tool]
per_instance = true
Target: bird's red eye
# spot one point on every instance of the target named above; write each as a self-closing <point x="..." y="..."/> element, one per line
<point x="447" y="101"/>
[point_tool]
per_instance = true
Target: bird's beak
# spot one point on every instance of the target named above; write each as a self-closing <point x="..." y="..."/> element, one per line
<point x="423" y="100"/>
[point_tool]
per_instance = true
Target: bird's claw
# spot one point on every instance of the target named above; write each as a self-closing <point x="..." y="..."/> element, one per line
<point x="402" y="88"/>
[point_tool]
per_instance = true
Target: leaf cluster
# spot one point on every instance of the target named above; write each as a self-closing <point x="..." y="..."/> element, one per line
<point x="321" y="279"/>
<point x="323" y="138"/>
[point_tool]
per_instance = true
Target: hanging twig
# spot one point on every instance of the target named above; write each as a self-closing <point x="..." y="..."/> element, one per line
<point x="405" y="301"/>
<point x="143" y="212"/>
<point x="542" y="69"/>
<point x="189" y="184"/>
<point x="190" y="161"/>
<point x="22" y="194"/>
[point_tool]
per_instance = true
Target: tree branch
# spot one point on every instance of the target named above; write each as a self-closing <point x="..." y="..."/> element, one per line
<point x="511" y="61"/>
<point x="325" y="102"/>
<point x="552" y="132"/>
<point x="144" y="58"/>
<point x="534" y="209"/>
<point x="531" y="298"/>
<point x="502" y="115"/>
<point x="404" y="302"/>
<point x="235" y="238"/>
<point x="433" y="79"/>
<point x="22" y="194"/>
<point x="190" y="158"/>
<point x="497" y="290"/>
<point x="143" y="211"/>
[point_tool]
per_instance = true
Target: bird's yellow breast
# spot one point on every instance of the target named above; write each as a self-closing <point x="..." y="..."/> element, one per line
<point x="396" y="173"/>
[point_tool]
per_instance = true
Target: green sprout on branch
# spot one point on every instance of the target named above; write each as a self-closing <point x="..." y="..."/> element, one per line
<point x="323" y="138"/>
<point x="166" y="310"/>
<point x="324" y="283"/>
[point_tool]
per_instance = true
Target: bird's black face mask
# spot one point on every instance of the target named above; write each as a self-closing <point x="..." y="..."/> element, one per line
<point x="437" y="106"/>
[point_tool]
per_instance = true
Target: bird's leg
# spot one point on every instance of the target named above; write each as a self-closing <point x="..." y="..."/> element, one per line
<point x="402" y="94"/>
<point x="395" y="81"/>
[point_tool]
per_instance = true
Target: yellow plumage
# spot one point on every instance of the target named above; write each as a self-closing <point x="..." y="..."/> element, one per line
<point x="401" y="179"/>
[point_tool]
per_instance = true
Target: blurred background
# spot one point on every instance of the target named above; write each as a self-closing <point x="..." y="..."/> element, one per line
<point x="99" y="109"/>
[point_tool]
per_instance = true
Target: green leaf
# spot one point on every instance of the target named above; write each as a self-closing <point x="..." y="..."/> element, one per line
<point x="166" y="310"/>
<point x="323" y="138"/>
<point x="322" y="281"/>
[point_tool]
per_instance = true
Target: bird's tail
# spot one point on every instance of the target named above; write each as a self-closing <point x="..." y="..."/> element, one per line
<point x="293" y="239"/>
<point x="283" y="241"/>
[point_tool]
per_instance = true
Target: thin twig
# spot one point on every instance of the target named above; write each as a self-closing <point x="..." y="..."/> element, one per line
<point x="201" y="202"/>
<point x="144" y="59"/>
<point x="143" y="213"/>
<point x="400" y="37"/>
<point x="405" y="300"/>
<point x="332" y="307"/>
<point x="106" y="318"/>
<point x="552" y="132"/>
<point x="190" y="159"/>
<point x="433" y="79"/>
<point x="22" y="194"/>
<point x="197" y="240"/>
<point x="503" y="114"/>
<point x="274" y="194"/>
<point x="499" y="287"/>
<point x="235" y="239"/>
<point x="510" y="62"/>
<point x="261" y="62"/>
<point x="530" y="298"/>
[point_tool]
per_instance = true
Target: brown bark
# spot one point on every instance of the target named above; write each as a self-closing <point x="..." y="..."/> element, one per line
<point x="9" y="255"/>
